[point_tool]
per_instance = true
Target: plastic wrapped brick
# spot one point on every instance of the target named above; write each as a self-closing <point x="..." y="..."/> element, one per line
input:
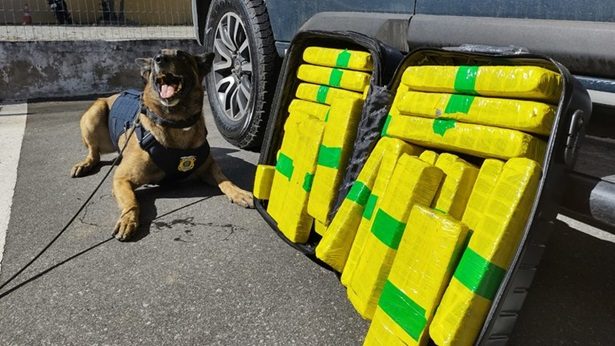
<point x="381" y="184"/>
<point x="284" y="167"/>
<point x="296" y="224"/>
<point x="427" y="255"/>
<point x="341" y="58"/>
<point x="293" y="177"/>
<point x="263" y="180"/>
<point x="336" y="146"/>
<point x="485" y="182"/>
<point x="314" y="109"/>
<point x="413" y="182"/>
<point x="334" y="77"/>
<point x="525" y="82"/>
<point x="429" y="156"/>
<point x="528" y="116"/>
<point x="324" y="94"/>
<point x="320" y="228"/>
<point x="335" y="244"/>
<point x="485" y="261"/>
<point x="478" y="140"/>
<point x="455" y="190"/>
<point x="401" y="90"/>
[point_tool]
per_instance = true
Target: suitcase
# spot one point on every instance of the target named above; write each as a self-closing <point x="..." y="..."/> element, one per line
<point x="384" y="61"/>
<point x="459" y="84"/>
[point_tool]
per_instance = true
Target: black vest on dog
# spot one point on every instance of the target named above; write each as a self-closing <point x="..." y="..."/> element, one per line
<point x="176" y="163"/>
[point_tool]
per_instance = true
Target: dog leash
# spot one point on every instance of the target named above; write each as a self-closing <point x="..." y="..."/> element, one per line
<point x="40" y="253"/>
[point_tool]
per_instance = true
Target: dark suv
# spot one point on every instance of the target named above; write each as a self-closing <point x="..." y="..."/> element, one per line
<point x="250" y="37"/>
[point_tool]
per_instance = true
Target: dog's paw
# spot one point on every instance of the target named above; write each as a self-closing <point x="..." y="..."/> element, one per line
<point x="125" y="226"/>
<point x="81" y="169"/>
<point x="242" y="198"/>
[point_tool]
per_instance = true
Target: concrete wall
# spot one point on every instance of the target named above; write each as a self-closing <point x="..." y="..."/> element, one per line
<point x="75" y="69"/>
<point x="139" y="12"/>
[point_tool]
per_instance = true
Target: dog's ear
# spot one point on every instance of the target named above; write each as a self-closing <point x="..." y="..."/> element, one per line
<point x="204" y="62"/>
<point x="145" y="64"/>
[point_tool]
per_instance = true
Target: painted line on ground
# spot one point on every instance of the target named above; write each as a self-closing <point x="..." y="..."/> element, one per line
<point x="12" y="127"/>
<point x="587" y="229"/>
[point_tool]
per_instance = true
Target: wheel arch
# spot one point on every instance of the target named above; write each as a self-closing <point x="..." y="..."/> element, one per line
<point x="199" y="18"/>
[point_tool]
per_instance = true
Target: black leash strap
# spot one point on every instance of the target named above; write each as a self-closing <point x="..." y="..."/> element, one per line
<point x="74" y="216"/>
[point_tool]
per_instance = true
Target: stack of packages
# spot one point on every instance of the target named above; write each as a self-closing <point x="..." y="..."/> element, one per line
<point x="318" y="138"/>
<point x="423" y="239"/>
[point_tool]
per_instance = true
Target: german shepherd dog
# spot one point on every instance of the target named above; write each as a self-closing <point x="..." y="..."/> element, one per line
<point x="168" y="120"/>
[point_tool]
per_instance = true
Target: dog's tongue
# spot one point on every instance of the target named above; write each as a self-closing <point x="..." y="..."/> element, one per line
<point x="166" y="91"/>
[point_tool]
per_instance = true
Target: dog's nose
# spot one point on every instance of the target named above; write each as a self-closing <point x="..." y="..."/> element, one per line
<point x="159" y="59"/>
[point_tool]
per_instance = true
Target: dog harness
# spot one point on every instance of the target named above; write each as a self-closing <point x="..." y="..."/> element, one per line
<point x="176" y="163"/>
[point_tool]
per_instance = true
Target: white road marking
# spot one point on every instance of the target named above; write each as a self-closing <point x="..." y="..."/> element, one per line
<point x="12" y="127"/>
<point x="587" y="229"/>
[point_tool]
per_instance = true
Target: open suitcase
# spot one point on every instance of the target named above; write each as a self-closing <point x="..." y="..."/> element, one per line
<point x="455" y="167"/>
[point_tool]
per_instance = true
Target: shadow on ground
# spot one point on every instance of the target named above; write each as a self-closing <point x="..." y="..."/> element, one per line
<point x="572" y="288"/>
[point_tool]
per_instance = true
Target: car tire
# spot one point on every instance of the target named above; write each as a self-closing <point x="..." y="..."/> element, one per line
<point x="241" y="84"/>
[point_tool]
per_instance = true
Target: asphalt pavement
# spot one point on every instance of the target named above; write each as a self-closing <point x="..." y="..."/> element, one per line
<point x="203" y="271"/>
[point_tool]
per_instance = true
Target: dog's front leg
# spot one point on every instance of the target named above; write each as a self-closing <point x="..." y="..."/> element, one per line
<point x="123" y="190"/>
<point x="213" y="175"/>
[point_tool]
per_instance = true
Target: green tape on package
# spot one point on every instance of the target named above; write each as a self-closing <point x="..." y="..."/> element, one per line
<point x="307" y="182"/>
<point x="336" y="77"/>
<point x="285" y="166"/>
<point x="343" y="58"/>
<point x="329" y="157"/>
<point x="359" y="193"/>
<point x="465" y="80"/>
<point x="479" y="275"/>
<point x="459" y="104"/>
<point x="440" y="126"/>
<point x="404" y="311"/>
<point x="321" y="94"/>
<point x="387" y="229"/>
<point x="386" y="125"/>
<point x="369" y="207"/>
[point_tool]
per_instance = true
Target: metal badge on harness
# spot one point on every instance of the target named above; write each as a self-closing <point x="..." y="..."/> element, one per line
<point x="186" y="163"/>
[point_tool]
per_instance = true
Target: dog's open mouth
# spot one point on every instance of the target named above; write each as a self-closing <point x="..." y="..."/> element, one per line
<point x="168" y="85"/>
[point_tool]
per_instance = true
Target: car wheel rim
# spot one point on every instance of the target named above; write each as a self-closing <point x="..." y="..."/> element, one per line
<point x="232" y="68"/>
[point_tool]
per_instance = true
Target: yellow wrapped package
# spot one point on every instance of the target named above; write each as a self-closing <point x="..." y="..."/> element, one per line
<point x="314" y="109"/>
<point x="294" y="174"/>
<point x="413" y="182"/>
<point x="284" y="167"/>
<point x="342" y="58"/>
<point x="524" y="82"/>
<point x="477" y="140"/>
<point x="485" y="182"/>
<point x="263" y="180"/>
<point x="485" y="261"/>
<point x="528" y="116"/>
<point x="336" y="147"/>
<point x="427" y="255"/>
<point x="295" y="222"/>
<point x="381" y="184"/>
<point x="455" y="190"/>
<point x="320" y="228"/>
<point x="334" y="77"/>
<point x="429" y="156"/>
<point x="324" y="94"/>
<point x="358" y="204"/>
<point x="401" y="90"/>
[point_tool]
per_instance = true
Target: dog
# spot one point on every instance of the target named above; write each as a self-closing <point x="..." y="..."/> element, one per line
<point x="166" y="142"/>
